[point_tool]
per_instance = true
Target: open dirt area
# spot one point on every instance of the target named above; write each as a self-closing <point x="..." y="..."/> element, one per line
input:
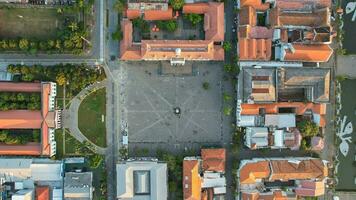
<point x="31" y="23"/>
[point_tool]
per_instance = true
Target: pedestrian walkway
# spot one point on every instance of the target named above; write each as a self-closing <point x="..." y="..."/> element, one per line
<point x="71" y="115"/>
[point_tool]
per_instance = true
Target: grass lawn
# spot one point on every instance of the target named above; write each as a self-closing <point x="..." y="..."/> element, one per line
<point x="90" y="117"/>
<point x="59" y="144"/>
<point x="31" y="23"/>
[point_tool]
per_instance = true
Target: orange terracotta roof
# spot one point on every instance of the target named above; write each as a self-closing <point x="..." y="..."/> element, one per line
<point x="127" y="50"/>
<point x="20" y="119"/>
<point x="190" y="49"/>
<point x="248" y="16"/>
<point x="191" y="180"/>
<point x="30" y="149"/>
<point x="318" y="18"/>
<point x="257" y="4"/>
<point x="213" y="18"/>
<point x="276" y="195"/>
<point x="152" y="15"/>
<point x="255" y="49"/>
<point x="311" y="189"/>
<point x="42" y="193"/>
<point x="252" y="171"/>
<point x="309" y="53"/>
<point x="272" y="108"/>
<point x="46" y="148"/>
<point x="132" y="14"/>
<point x="20" y="87"/>
<point x="165" y="49"/>
<point x="300" y="4"/>
<point x="213" y="159"/>
<point x="306" y="169"/>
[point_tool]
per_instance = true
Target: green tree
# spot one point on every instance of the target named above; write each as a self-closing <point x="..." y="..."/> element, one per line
<point x="194" y="18"/>
<point x="206" y="85"/>
<point x="117" y="35"/>
<point x="227" y="110"/>
<point x="176" y="4"/>
<point x="171" y="25"/>
<point x="308" y="128"/>
<point x="119" y="6"/>
<point x="227" y="46"/>
<point x="23" y="44"/>
<point x="3" y="135"/>
<point x="227" y="97"/>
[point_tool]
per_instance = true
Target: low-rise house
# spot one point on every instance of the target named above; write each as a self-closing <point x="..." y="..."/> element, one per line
<point x="177" y="50"/>
<point x="204" y="177"/>
<point x="30" y="179"/>
<point x="47" y="119"/>
<point x="144" y="178"/>
<point x="271" y="99"/>
<point x="281" y="30"/>
<point x="78" y="186"/>
<point x="281" y="178"/>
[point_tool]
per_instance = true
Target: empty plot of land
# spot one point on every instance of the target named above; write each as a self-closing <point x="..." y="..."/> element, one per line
<point x="31" y="23"/>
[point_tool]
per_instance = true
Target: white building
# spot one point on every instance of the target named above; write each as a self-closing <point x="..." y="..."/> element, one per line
<point x="142" y="180"/>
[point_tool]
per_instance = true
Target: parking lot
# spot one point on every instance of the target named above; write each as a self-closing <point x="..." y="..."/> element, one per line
<point x="149" y="101"/>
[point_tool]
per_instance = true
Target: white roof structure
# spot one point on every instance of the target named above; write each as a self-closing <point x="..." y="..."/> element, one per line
<point x="23" y="195"/>
<point x="278" y="136"/>
<point x="280" y="120"/>
<point x="57" y="194"/>
<point x="256" y="137"/>
<point x="78" y="185"/>
<point x="142" y="180"/>
<point x="13" y="170"/>
<point x="247" y="121"/>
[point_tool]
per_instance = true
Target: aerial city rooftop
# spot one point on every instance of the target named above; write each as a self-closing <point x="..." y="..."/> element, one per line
<point x="177" y="100"/>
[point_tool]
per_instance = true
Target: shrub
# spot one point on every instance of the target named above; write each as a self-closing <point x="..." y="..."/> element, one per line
<point x="227" y="46"/>
<point x="227" y="110"/>
<point x="176" y="4"/>
<point x="308" y="128"/>
<point x="194" y="18"/>
<point x="206" y="86"/>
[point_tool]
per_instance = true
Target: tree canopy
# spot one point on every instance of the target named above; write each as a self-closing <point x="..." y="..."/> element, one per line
<point x="308" y="128"/>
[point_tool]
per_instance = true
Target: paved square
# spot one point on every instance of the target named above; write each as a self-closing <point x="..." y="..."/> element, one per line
<point x="148" y="100"/>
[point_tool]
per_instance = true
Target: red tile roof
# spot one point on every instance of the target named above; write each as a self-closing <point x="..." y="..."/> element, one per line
<point x="165" y="49"/>
<point x="150" y="15"/>
<point x="311" y="189"/>
<point x="309" y="53"/>
<point x="302" y="4"/>
<point x="307" y="169"/>
<point x="252" y="171"/>
<point x="213" y="159"/>
<point x="258" y="4"/>
<point x="29" y="149"/>
<point x="26" y="119"/>
<point x="318" y="18"/>
<point x="20" y="119"/>
<point x="42" y="193"/>
<point x="213" y="18"/>
<point x="191" y="180"/>
<point x="20" y="87"/>
<point x="255" y="49"/>
<point x="248" y="16"/>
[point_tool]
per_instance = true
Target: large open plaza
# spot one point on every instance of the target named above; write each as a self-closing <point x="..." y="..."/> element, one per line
<point x="174" y="110"/>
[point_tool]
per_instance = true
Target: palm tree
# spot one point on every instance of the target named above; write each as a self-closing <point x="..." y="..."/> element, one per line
<point x="73" y="26"/>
